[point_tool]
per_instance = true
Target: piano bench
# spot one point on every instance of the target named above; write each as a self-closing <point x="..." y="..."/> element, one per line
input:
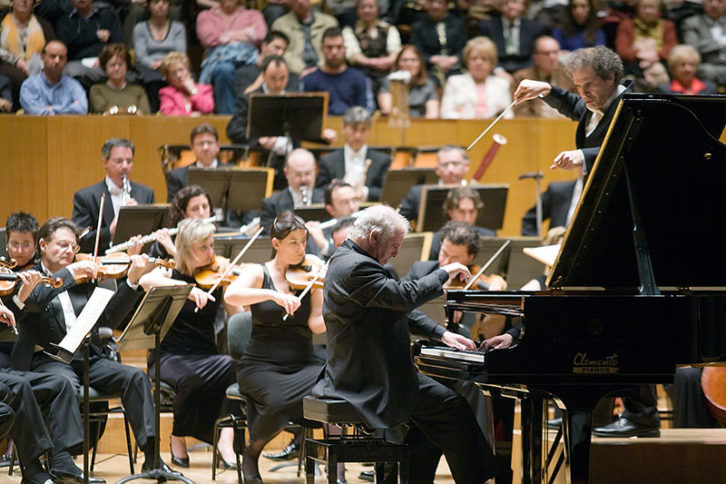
<point x="358" y="447"/>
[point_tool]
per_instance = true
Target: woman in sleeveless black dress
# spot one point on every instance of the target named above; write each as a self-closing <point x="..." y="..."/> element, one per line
<point x="279" y="367"/>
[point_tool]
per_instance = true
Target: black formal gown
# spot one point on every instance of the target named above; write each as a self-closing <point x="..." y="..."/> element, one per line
<point x="190" y="362"/>
<point x="280" y="366"/>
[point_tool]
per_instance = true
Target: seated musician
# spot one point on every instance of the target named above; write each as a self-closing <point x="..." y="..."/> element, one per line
<point x="189" y="357"/>
<point x="118" y="160"/>
<point x="279" y="367"/>
<point x="452" y="165"/>
<point x="369" y="361"/>
<point x="355" y="163"/>
<point x="559" y="202"/>
<point x="50" y="312"/>
<point x="205" y="146"/>
<point x="341" y="200"/>
<point x="462" y="204"/>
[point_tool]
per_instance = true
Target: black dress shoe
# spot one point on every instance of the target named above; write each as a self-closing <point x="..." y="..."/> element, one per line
<point x="38" y="478"/>
<point x="290" y="452"/>
<point x="59" y="477"/>
<point x="623" y="427"/>
<point x="223" y="462"/>
<point x="149" y="466"/>
<point x="180" y="461"/>
<point x="367" y="476"/>
<point x="555" y="423"/>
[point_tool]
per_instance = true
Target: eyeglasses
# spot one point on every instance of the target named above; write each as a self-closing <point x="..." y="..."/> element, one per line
<point x="63" y="245"/>
<point x="17" y="246"/>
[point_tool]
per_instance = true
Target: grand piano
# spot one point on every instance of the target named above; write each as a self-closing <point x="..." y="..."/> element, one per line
<point x="638" y="286"/>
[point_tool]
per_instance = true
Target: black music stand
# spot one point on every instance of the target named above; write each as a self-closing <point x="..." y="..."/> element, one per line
<point x="138" y="220"/>
<point x="148" y="326"/>
<point x="431" y="215"/>
<point x="315" y="212"/>
<point x="299" y="116"/>
<point x="399" y="182"/>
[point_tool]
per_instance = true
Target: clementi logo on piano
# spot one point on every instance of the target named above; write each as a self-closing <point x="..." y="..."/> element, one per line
<point x="582" y="363"/>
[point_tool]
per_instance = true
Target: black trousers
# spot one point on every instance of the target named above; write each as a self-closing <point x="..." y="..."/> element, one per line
<point x="112" y="377"/>
<point x="35" y="395"/>
<point x="7" y="414"/>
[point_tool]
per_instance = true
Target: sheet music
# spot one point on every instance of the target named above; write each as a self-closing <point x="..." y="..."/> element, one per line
<point x="87" y="319"/>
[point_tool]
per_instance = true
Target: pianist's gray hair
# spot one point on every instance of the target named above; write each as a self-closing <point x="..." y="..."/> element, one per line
<point x="381" y="218"/>
<point x="602" y="60"/>
<point x="191" y="230"/>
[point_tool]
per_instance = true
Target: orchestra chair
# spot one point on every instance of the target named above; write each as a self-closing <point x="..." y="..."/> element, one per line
<point x="239" y="331"/>
<point x="358" y="446"/>
<point x="179" y="156"/>
<point x="426" y="157"/>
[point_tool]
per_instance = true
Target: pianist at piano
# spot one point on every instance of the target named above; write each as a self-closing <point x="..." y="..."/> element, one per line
<point x="369" y="363"/>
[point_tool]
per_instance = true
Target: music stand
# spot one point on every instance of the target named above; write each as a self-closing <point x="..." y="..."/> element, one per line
<point x="431" y="215"/>
<point x="315" y="212"/>
<point x="139" y="219"/>
<point x="399" y="182"/>
<point x="148" y="326"/>
<point x="299" y="115"/>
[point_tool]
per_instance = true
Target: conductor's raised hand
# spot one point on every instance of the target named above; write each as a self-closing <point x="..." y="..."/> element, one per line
<point x="460" y="342"/>
<point x="288" y="302"/>
<point x="529" y="89"/>
<point x="568" y="160"/>
<point x="200" y="297"/>
<point x="457" y="270"/>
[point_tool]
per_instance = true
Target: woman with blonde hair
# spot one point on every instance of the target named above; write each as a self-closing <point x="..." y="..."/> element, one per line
<point x="683" y="63"/>
<point x="183" y="96"/>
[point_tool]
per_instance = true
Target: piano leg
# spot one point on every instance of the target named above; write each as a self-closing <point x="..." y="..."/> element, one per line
<point x="532" y="418"/>
<point x="577" y="438"/>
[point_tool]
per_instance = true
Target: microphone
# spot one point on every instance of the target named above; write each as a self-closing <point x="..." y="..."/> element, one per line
<point x="535" y="175"/>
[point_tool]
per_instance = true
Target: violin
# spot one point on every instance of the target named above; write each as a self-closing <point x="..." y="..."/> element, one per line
<point x="115" y="266"/>
<point x="311" y="268"/>
<point x="217" y="273"/>
<point x="484" y="279"/>
<point x="9" y="280"/>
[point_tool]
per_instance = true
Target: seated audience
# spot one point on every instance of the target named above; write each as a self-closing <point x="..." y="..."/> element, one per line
<point x="440" y="37"/>
<point x="22" y="37"/>
<point x="546" y="68"/>
<point x="50" y="92"/>
<point x="136" y="12"/>
<point x="645" y="39"/>
<point x="423" y="96"/>
<point x="116" y="96"/>
<point x="341" y="201"/>
<point x="706" y="33"/>
<point x="346" y="86"/>
<point x="86" y="31"/>
<point x="183" y="96"/>
<point x="513" y="35"/>
<point x="683" y="63"/>
<point x="230" y="35"/>
<point x="477" y="93"/>
<point x="364" y="169"/>
<point x="559" y="202"/>
<point x="581" y="27"/>
<point x="154" y="38"/>
<point x="371" y="44"/>
<point x="304" y="28"/>
<point x="248" y="77"/>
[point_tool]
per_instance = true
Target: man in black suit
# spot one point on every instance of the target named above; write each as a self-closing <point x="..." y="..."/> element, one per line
<point x="596" y="72"/>
<point x="300" y="173"/>
<point x="514" y="35"/>
<point x="118" y="159"/>
<point x="341" y="201"/>
<point x="452" y="165"/>
<point x="558" y="206"/>
<point x="205" y="146"/>
<point x="364" y="169"/>
<point x="50" y="312"/>
<point x="369" y="361"/>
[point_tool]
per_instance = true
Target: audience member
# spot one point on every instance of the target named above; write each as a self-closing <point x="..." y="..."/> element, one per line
<point x="118" y="160"/>
<point x="462" y="204"/>
<point x="559" y="202"/>
<point x="683" y="63"/>
<point x="707" y="34"/>
<point x="341" y="201"/>
<point x="440" y="37"/>
<point x="116" y="96"/>
<point x="645" y="39"/>
<point x="304" y="28"/>
<point x="205" y="146"/>
<point x="346" y="86"/>
<point x="513" y="35"/>
<point x="153" y="40"/>
<point x="50" y="92"/>
<point x="183" y="96"/>
<point x="452" y="165"/>
<point x="546" y="68"/>
<point x="581" y="27"/>
<point x="248" y="77"/>
<point x="300" y="173"/>
<point x="138" y="11"/>
<point x="230" y="35"/>
<point x="372" y="44"/>
<point x="85" y="32"/>
<point x="22" y="37"/>
<point x="364" y="169"/>
<point x="423" y="96"/>
<point x="477" y="93"/>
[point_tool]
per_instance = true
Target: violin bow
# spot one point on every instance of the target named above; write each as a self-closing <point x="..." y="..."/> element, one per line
<point x="486" y="266"/>
<point x="310" y="285"/>
<point x="98" y="226"/>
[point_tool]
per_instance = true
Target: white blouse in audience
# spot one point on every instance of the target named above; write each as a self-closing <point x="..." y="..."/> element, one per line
<point x="464" y="99"/>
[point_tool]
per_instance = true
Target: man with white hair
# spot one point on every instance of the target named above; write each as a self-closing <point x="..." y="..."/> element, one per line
<point x="369" y="361"/>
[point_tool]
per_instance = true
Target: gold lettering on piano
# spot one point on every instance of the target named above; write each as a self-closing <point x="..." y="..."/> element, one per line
<point x="582" y="363"/>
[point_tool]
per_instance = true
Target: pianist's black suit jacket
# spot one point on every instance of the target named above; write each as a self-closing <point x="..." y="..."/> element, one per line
<point x="332" y="166"/>
<point x="86" y="203"/>
<point x="555" y="205"/>
<point x="282" y="201"/>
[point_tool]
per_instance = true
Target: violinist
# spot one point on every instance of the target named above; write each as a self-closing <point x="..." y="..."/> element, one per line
<point x="50" y="312"/>
<point x="189" y="358"/>
<point x="118" y="160"/>
<point x="279" y="367"/>
<point x="341" y="200"/>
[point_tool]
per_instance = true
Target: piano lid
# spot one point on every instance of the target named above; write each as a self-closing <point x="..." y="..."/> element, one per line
<point x="677" y="169"/>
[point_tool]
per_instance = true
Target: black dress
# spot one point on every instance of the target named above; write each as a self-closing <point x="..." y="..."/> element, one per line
<point x="190" y="362"/>
<point x="279" y="367"/>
